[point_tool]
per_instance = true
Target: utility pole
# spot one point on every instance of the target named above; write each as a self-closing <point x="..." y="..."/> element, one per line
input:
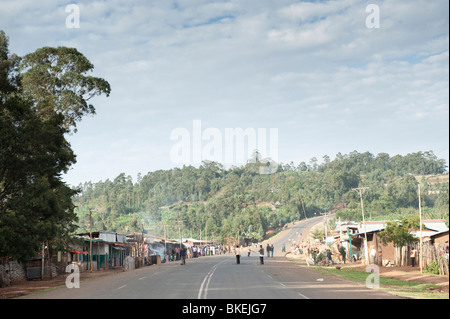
<point x="303" y="206"/>
<point x="180" y="223"/>
<point x="42" y="260"/>
<point x="165" y="247"/>
<point x="143" y="244"/>
<point x="350" y="252"/>
<point x="421" y="242"/>
<point x="90" y="240"/>
<point x="179" y="234"/>
<point x="360" y="190"/>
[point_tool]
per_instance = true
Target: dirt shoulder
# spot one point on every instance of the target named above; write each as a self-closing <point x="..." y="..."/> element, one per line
<point x="23" y="288"/>
<point x="409" y="273"/>
<point x="406" y="273"/>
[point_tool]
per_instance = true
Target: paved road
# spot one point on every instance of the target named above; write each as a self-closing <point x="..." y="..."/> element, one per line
<point x="219" y="277"/>
<point x="297" y="232"/>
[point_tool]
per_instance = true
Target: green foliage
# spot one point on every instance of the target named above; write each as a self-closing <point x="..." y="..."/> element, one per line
<point x="318" y="234"/>
<point x="342" y="251"/>
<point x="35" y="204"/>
<point x="56" y="80"/>
<point x="239" y="201"/>
<point x="432" y="267"/>
<point x="398" y="232"/>
<point x="317" y="258"/>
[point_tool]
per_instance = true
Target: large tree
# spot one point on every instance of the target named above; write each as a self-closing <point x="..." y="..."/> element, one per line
<point x="57" y="80"/>
<point x="35" y="204"/>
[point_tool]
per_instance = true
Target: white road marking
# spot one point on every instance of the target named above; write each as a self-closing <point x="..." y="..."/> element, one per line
<point x="303" y="296"/>
<point x="204" y="288"/>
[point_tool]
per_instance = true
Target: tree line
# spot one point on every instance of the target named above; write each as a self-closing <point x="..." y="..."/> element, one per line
<point x="213" y="202"/>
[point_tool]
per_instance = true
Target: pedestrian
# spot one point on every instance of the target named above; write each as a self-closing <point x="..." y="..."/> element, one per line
<point x="343" y="252"/>
<point x="412" y="255"/>
<point x="283" y="249"/>
<point x="271" y="250"/>
<point x="249" y="250"/>
<point x="261" y="254"/>
<point x="183" y="256"/>
<point x="268" y="250"/>
<point x="238" y="254"/>
<point x="330" y="260"/>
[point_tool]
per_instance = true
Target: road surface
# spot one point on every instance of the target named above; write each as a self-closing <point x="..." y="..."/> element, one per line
<point x="219" y="277"/>
<point x="298" y="231"/>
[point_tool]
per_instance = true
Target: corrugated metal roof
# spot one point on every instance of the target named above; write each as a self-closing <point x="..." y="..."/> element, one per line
<point x="371" y="226"/>
<point x="425" y="233"/>
<point x="437" y="225"/>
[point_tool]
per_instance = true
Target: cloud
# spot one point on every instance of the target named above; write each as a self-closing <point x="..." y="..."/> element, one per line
<point x="311" y="69"/>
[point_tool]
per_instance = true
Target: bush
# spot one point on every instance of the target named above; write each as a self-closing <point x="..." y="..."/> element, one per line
<point x="318" y="257"/>
<point x="432" y="267"/>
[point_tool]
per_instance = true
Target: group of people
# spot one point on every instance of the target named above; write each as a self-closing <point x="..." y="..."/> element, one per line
<point x="176" y="253"/>
<point x="184" y="253"/>
<point x="269" y="250"/>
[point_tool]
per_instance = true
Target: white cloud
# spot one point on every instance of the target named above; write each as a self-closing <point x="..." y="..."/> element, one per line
<point x="311" y="69"/>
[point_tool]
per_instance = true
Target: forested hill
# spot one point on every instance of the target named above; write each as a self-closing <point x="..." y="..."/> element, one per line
<point x="225" y="203"/>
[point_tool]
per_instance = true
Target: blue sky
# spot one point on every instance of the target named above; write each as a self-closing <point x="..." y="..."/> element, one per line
<point x="313" y="70"/>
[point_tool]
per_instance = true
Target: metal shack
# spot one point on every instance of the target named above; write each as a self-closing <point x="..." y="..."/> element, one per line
<point x="109" y="248"/>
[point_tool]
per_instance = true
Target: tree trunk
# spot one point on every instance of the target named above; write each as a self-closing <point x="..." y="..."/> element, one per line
<point x="49" y="261"/>
<point x="399" y="256"/>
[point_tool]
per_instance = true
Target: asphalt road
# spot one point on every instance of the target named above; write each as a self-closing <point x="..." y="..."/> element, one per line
<point x="219" y="277"/>
<point x="297" y="232"/>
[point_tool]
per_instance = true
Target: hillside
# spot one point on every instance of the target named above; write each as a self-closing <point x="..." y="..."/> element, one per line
<point x="211" y="201"/>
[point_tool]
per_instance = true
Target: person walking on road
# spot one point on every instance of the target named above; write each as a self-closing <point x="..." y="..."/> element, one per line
<point x="238" y="255"/>
<point x="412" y="255"/>
<point x="268" y="250"/>
<point x="330" y="259"/>
<point x="261" y="254"/>
<point x="183" y="256"/>
<point x="271" y="250"/>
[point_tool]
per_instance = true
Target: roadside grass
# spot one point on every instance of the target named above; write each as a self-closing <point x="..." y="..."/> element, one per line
<point x="410" y="289"/>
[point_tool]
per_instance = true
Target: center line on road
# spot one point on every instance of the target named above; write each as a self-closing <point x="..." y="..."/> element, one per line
<point x="302" y="295"/>
<point x="204" y="288"/>
<point x="121" y="287"/>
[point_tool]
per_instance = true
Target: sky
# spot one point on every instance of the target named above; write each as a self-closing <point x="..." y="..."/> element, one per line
<point x="306" y="78"/>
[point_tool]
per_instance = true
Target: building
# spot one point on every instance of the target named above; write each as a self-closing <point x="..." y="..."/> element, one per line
<point x="109" y="249"/>
<point x="354" y="240"/>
